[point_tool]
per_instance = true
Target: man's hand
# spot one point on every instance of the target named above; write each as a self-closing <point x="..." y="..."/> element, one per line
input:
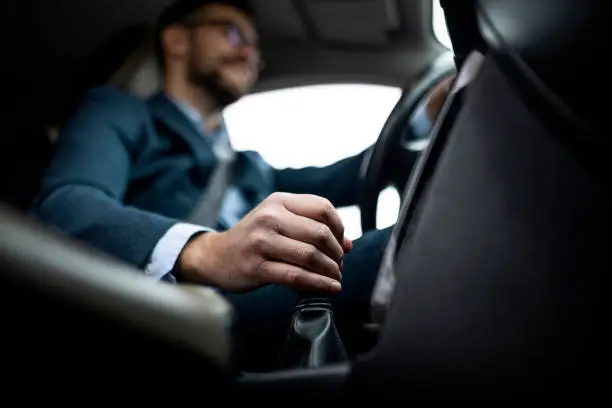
<point x="292" y="240"/>
<point x="437" y="96"/>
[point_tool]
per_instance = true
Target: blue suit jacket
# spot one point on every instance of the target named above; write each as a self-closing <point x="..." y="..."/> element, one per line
<point x="125" y="170"/>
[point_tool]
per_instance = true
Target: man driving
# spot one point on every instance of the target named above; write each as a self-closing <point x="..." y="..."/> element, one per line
<point x="157" y="184"/>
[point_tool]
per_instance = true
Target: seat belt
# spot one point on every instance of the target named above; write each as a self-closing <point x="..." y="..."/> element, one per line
<point x="208" y="209"/>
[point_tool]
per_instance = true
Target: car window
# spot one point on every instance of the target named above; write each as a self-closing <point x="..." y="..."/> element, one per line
<point x="316" y="126"/>
<point x="439" y="25"/>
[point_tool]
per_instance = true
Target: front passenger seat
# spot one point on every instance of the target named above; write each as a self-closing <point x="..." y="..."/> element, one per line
<point x="501" y="276"/>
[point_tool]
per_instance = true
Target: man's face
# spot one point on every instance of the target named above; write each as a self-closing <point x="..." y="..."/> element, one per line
<point x="223" y="54"/>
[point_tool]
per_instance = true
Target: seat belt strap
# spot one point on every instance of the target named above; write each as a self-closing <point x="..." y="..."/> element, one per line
<point x="208" y="209"/>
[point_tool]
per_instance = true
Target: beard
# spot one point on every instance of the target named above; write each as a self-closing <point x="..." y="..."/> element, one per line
<point x="212" y="82"/>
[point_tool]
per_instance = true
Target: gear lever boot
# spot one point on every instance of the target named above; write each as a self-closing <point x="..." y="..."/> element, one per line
<point x="313" y="339"/>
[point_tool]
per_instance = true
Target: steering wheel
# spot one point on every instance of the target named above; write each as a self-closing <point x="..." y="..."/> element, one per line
<point x="390" y="160"/>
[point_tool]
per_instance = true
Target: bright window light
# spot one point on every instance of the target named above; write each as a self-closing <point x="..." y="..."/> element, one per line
<point x="439" y="25"/>
<point x="316" y="126"/>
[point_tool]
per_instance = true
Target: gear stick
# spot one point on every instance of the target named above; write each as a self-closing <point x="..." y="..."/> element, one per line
<point x="313" y="339"/>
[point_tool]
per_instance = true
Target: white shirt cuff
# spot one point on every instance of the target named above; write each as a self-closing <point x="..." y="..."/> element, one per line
<point x="421" y="122"/>
<point x="169" y="247"/>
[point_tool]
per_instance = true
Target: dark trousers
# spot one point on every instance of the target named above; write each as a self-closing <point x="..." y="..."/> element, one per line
<point x="263" y="316"/>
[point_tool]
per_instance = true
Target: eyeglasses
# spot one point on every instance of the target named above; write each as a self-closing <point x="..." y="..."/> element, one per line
<point x="232" y="32"/>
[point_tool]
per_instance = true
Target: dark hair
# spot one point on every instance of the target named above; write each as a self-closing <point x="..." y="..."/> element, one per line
<point x="179" y="10"/>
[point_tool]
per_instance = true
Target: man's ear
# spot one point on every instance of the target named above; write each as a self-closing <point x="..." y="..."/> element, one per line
<point x="175" y="42"/>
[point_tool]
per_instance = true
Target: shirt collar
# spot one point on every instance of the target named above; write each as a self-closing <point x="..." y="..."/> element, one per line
<point x="196" y="118"/>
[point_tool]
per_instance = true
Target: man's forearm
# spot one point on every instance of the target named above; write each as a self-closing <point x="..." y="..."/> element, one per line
<point x="101" y="221"/>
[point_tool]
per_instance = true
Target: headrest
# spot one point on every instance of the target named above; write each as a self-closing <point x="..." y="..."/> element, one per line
<point x="558" y="45"/>
<point x="139" y="73"/>
<point x="125" y="60"/>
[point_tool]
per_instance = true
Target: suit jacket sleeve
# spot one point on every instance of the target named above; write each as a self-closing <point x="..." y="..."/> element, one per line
<point x="338" y="182"/>
<point x="82" y="192"/>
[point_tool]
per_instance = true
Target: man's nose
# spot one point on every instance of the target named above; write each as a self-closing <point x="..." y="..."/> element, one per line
<point x="250" y="53"/>
<point x="248" y="50"/>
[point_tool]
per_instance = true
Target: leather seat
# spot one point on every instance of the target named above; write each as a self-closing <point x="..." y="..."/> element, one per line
<point x="499" y="276"/>
<point x="559" y="47"/>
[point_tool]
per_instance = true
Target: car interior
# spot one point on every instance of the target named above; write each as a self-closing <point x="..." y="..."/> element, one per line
<point x="499" y="251"/>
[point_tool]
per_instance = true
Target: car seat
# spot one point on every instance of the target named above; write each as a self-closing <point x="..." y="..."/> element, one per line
<point x="500" y="271"/>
